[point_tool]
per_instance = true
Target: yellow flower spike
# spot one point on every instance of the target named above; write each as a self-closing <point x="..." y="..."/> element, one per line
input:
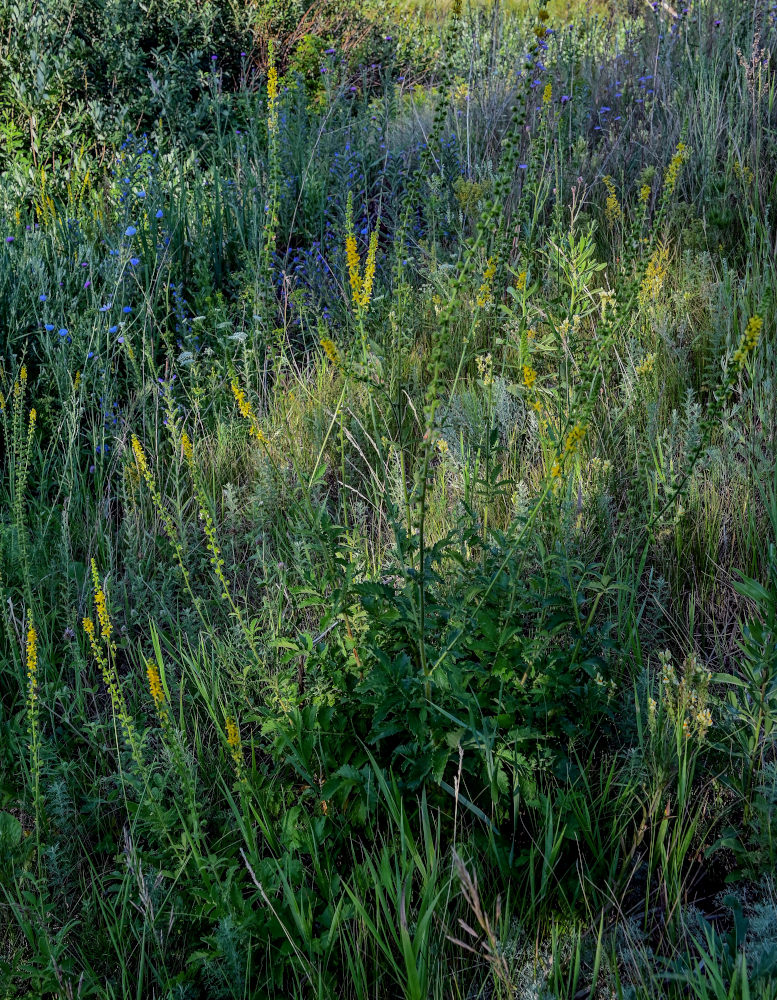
<point x="644" y="193"/>
<point x="32" y="655"/>
<point x="575" y="438"/>
<point x="612" y="208"/>
<point x="247" y="411"/>
<point x="655" y="275"/>
<point x="140" y="457"/>
<point x="157" y="693"/>
<point x="547" y="94"/>
<point x="673" y="170"/>
<point x="272" y="100"/>
<point x="330" y="349"/>
<point x="749" y="340"/>
<point x="485" y="294"/>
<point x="101" y="604"/>
<point x="369" y="269"/>
<point x="361" y="286"/>
<point x="235" y="744"/>
<point x="529" y="376"/>
<point x="187" y="447"/>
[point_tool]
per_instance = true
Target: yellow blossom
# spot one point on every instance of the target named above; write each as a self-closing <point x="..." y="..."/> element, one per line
<point x="749" y="339"/>
<point x="32" y="654"/>
<point x="187" y="447"/>
<point x="101" y="604"/>
<point x="680" y="157"/>
<point x="612" y="208"/>
<point x="645" y="366"/>
<point x="485" y="294"/>
<point x="575" y="438"/>
<point x="330" y="349"/>
<point x="272" y="100"/>
<point x="247" y="411"/>
<point x="235" y="744"/>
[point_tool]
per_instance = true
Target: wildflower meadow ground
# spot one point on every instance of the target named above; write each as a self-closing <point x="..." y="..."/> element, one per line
<point x="388" y="512"/>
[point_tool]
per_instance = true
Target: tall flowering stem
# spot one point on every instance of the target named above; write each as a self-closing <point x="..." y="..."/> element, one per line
<point x="33" y="727"/>
<point x="105" y="654"/>
<point x="271" y="222"/>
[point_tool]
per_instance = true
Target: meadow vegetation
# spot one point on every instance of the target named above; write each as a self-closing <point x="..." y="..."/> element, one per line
<point x="388" y="519"/>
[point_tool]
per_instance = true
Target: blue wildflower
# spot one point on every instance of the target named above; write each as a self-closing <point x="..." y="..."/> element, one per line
<point x="130" y="231"/>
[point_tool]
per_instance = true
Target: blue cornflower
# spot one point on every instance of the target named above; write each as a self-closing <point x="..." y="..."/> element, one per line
<point x="63" y="332"/>
<point x="42" y="298"/>
<point x="159" y="214"/>
<point x="126" y="309"/>
<point x="49" y="327"/>
<point x="141" y="194"/>
<point x="112" y="329"/>
<point x="130" y="231"/>
<point x="134" y="261"/>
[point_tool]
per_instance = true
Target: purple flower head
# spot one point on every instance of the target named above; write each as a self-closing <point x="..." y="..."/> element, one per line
<point x="9" y="239"/>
